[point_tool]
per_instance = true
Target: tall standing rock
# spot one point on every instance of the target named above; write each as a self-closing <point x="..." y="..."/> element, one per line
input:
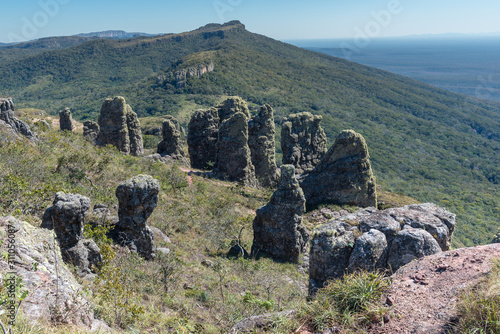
<point x="172" y="143"/>
<point x="233" y="161"/>
<point x="137" y="198"/>
<point x="134" y="133"/>
<point x="203" y="132"/>
<point x="261" y="134"/>
<point x="65" y="120"/>
<point x="66" y="217"/>
<point x="90" y="131"/>
<point x="7" y="115"/>
<point x="232" y="106"/>
<point x="119" y="127"/>
<point x="303" y="141"/>
<point x="278" y="229"/>
<point x="344" y="175"/>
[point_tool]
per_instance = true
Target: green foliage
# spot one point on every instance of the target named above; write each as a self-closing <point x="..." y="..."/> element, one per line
<point x="478" y="308"/>
<point x="251" y="299"/>
<point x="351" y="302"/>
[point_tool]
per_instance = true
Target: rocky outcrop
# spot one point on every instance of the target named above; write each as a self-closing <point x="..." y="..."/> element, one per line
<point x="66" y="217"/>
<point x="343" y="176"/>
<point x="303" y="141"/>
<point x="179" y="78"/>
<point x="137" y="198"/>
<point x="119" y="126"/>
<point x="232" y="106"/>
<point x="172" y="143"/>
<point x="372" y="239"/>
<point x="233" y="161"/>
<point x="65" y="120"/>
<point x="90" y="131"/>
<point x="7" y="133"/>
<point x="54" y="293"/>
<point x="203" y="132"/>
<point x="278" y="229"/>
<point x="7" y="116"/>
<point x="261" y="134"/>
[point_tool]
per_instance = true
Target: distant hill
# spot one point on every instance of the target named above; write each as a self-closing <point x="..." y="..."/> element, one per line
<point x="114" y="34"/>
<point x="425" y="142"/>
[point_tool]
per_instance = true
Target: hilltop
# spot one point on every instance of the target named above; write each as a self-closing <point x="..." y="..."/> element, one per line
<point x="428" y="143"/>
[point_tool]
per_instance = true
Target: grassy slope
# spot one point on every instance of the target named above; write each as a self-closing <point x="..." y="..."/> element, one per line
<point x="428" y="143"/>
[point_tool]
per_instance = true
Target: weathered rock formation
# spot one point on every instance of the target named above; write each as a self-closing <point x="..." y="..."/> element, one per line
<point x="137" y="198"/>
<point x="7" y="116"/>
<point x="232" y="106"/>
<point x="66" y="217"/>
<point x="203" y="132"/>
<point x="178" y="78"/>
<point x="119" y="126"/>
<point x="371" y="239"/>
<point x="90" y="131"/>
<point x="65" y="120"/>
<point x="303" y="141"/>
<point x="7" y="133"/>
<point x="278" y="229"/>
<point x="233" y="161"/>
<point x="38" y="245"/>
<point x="343" y="176"/>
<point x="172" y="143"/>
<point x="261" y="134"/>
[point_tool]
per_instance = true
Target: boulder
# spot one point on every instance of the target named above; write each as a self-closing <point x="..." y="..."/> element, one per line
<point x="233" y="161"/>
<point x="90" y="131"/>
<point x="7" y="116"/>
<point x="66" y="217"/>
<point x="261" y="134"/>
<point x="373" y="239"/>
<point x="278" y="229"/>
<point x="410" y="244"/>
<point x="303" y="141"/>
<point x="232" y="106"/>
<point x="203" y="130"/>
<point x="172" y="143"/>
<point x="38" y="245"/>
<point x="65" y="120"/>
<point x="370" y="252"/>
<point x="344" y="175"/>
<point x="119" y="126"/>
<point x="137" y="198"/>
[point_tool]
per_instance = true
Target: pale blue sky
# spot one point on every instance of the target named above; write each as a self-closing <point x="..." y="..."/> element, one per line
<point x="280" y="19"/>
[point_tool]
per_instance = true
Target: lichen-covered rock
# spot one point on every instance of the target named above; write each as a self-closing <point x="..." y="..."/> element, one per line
<point x="90" y="131"/>
<point x="303" y="141"/>
<point x="410" y="244"/>
<point x="172" y="143"/>
<point x="371" y="239"/>
<point x="203" y="132"/>
<point x="119" y="126"/>
<point x="331" y="247"/>
<point x="278" y="229"/>
<point x="439" y="222"/>
<point x="370" y="252"/>
<point x="261" y="134"/>
<point x="233" y="161"/>
<point x="67" y="217"/>
<point x="137" y="198"/>
<point x="38" y="245"/>
<point x="134" y="133"/>
<point x="343" y="176"/>
<point x="7" y="115"/>
<point x="65" y="120"/>
<point x="232" y="106"/>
